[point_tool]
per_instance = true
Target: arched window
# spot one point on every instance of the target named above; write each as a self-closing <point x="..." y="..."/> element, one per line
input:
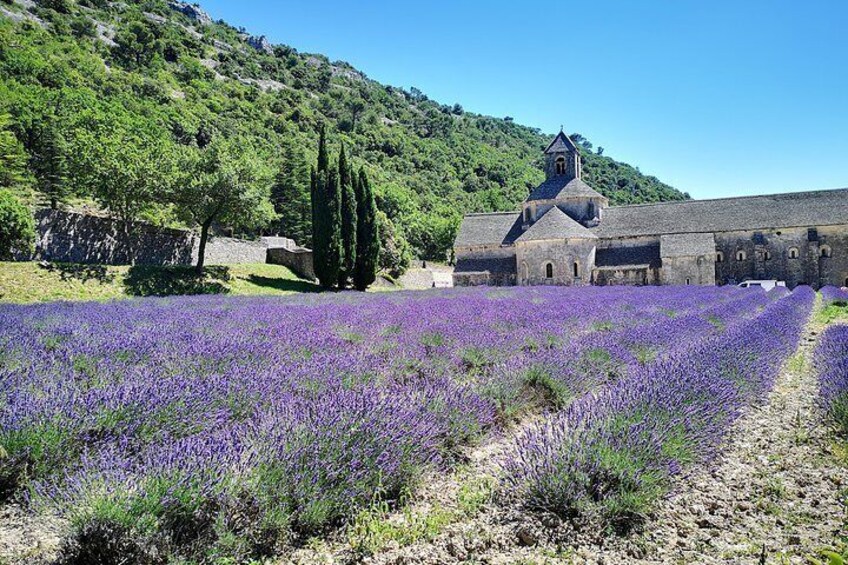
<point x="826" y="251"/>
<point x="793" y="252"/>
<point x="688" y="282"/>
<point x="741" y="255"/>
<point x="527" y="214"/>
<point x="767" y="256"/>
<point x="525" y="270"/>
<point x="560" y="165"/>
<point x="549" y="270"/>
<point x="846" y="281"/>
<point x="719" y="257"/>
<point x="576" y="268"/>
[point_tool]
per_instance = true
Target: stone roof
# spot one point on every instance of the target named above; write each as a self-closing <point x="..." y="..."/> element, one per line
<point x="687" y="244"/>
<point x="747" y="213"/>
<point x="561" y="144"/>
<point x="555" y="224"/>
<point x="629" y="255"/>
<point x="774" y="211"/>
<point x="485" y="265"/>
<point x="560" y="187"/>
<point x="497" y="228"/>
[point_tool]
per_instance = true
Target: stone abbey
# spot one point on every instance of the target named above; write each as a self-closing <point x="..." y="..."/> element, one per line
<point x="567" y="234"/>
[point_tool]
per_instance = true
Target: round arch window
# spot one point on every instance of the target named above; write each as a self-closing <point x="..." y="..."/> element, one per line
<point x="549" y="270"/>
<point x="793" y="253"/>
<point x="719" y="257"/>
<point x="741" y="255"/>
<point x="560" y="165"/>
<point x="826" y="251"/>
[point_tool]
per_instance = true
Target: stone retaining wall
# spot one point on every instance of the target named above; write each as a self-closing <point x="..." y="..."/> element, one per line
<point x="68" y="237"/>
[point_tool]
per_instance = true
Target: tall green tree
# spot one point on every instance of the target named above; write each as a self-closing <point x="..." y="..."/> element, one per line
<point x="290" y="195"/>
<point x="49" y="164"/>
<point x="347" y="182"/>
<point x="226" y="183"/>
<point x="13" y="158"/>
<point x="367" y="234"/>
<point x="326" y="217"/>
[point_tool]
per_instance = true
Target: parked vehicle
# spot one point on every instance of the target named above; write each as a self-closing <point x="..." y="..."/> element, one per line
<point x="767" y="284"/>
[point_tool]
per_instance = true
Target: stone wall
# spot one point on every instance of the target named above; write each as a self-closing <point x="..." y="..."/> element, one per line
<point x="67" y="237"/>
<point x="688" y="270"/>
<point x="792" y="255"/>
<point x="298" y="260"/>
<point x="626" y="275"/>
<point x="532" y="257"/>
<point x="483" y="278"/>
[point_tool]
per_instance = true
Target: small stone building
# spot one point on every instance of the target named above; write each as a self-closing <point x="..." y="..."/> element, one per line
<point x="567" y="234"/>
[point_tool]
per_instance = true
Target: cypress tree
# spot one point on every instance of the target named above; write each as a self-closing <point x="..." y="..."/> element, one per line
<point x="367" y="234"/>
<point x="326" y="218"/>
<point x="347" y="181"/>
<point x="50" y="166"/>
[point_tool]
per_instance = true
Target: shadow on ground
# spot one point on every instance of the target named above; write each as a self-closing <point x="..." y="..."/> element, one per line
<point x="83" y="273"/>
<point x="282" y="284"/>
<point x="142" y="280"/>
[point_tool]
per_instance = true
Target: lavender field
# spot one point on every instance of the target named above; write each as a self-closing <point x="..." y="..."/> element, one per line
<point x="209" y="428"/>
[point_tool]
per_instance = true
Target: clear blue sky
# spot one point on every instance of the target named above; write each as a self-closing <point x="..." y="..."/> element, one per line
<point x="717" y="98"/>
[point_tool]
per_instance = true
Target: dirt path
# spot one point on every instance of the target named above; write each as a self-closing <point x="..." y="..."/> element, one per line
<point x="775" y="491"/>
<point x="25" y="538"/>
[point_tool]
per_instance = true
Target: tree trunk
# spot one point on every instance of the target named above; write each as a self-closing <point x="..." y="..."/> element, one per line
<point x="201" y="250"/>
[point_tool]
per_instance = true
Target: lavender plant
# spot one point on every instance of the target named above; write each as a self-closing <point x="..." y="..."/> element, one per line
<point x="830" y="361"/>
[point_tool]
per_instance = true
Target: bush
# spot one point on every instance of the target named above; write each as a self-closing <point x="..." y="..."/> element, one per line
<point x="17" y="227"/>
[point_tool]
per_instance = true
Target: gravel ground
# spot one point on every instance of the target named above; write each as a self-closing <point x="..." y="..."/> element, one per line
<point x="28" y="539"/>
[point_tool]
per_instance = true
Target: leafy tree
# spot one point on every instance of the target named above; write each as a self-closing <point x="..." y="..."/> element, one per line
<point x="326" y="218"/>
<point x="347" y="188"/>
<point x="17" y="227"/>
<point x="367" y="234"/>
<point x="395" y="254"/>
<point x="50" y="165"/>
<point x="13" y="158"/>
<point x="226" y="183"/>
<point x="126" y="165"/>
<point x="137" y="44"/>
<point x="290" y="195"/>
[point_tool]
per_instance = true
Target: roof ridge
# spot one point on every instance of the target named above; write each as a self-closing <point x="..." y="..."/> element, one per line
<point x="490" y="213"/>
<point x="745" y="197"/>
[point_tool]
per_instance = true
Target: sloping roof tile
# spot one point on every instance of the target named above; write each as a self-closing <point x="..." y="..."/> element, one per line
<point x="497" y="228"/>
<point x="485" y="265"/>
<point x="563" y="187"/>
<point x="687" y="244"/>
<point x="555" y="224"/>
<point x="561" y="143"/>
<point x="775" y="211"/>
<point x="629" y="255"/>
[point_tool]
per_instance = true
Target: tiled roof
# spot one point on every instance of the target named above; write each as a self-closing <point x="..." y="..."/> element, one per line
<point x="687" y="244"/>
<point x="748" y="213"/>
<point x="561" y="143"/>
<point x="797" y="209"/>
<point x="497" y="228"/>
<point x="488" y="264"/>
<point x="561" y="186"/>
<point x="627" y="255"/>
<point x="555" y="224"/>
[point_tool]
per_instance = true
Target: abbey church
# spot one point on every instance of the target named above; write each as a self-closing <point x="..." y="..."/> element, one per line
<point x="567" y="234"/>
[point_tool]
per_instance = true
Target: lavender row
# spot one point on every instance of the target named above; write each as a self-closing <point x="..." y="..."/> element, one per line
<point x="612" y="453"/>
<point x="834" y="295"/>
<point x="830" y="361"/>
<point x="207" y="421"/>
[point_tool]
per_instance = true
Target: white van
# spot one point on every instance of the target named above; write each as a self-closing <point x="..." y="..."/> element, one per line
<point x="767" y="285"/>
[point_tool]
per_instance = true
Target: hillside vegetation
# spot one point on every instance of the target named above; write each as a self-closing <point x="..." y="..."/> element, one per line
<point x="89" y="81"/>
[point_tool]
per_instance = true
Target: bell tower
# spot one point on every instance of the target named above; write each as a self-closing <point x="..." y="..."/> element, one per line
<point x="562" y="159"/>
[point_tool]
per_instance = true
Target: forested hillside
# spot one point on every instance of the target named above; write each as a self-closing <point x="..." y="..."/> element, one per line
<point x="91" y="87"/>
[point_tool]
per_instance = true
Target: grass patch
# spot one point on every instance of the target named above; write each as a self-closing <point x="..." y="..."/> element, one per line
<point x="29" y="282"/>
<point x="832" y="313"/>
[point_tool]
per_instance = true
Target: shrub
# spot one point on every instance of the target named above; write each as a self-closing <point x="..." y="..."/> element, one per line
<point x="17" y="227"/>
